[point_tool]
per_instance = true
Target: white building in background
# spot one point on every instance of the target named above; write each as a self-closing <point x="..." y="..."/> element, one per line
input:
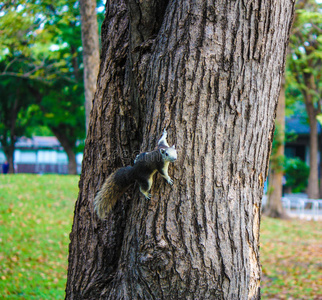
<point x="41" y="155"/>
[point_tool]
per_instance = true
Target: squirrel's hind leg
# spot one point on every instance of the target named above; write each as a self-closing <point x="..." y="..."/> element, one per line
<point x="145" y="193"/>
<point x="145" y="187"/>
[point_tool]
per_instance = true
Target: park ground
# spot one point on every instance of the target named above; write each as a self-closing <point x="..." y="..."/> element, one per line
<point x="35" y="221"/>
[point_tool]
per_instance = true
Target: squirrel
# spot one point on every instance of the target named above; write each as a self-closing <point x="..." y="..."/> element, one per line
<point x="145" y="166"/>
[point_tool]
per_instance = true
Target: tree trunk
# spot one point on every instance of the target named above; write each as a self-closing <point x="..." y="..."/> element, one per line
<point x="320" y="149"/>
<point x="9" y="145"/>
<point x="313" y="186"/>
<point x="9" y="152"/>
<point x="274" y="206"/>
<point x="68" y="147"/>
<point x="90" y="51"/>
<point x="210" y="73"/>
<point x="72" y="164"/>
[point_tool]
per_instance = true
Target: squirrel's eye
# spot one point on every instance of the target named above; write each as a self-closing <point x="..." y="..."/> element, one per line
<point x="167" y="154"/>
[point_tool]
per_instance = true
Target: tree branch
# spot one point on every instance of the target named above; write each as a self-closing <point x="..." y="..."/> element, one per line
<point x="316" y="27"/>
<point x="28" y="75"/>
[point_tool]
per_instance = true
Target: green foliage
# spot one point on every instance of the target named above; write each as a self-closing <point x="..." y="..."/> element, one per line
<point x="278" y="138"/>
<point x="38" y="130"/>
<point x="26" y="39"/>
<point x="36" y="217"/>
<point x="319" y="118"/>
<point x="297" y="173"/>
<point x="13" y="105"/>
<point x="277" y="161"/>
<point x="304" y="66"/>
<point x="40" y="45"/>
<point x="294" y="100"/>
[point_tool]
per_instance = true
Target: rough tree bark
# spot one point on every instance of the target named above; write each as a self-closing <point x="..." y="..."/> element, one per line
<point x="90" y="51"/>
<point x="210" y="72"/>
<point x="274" y="206"/>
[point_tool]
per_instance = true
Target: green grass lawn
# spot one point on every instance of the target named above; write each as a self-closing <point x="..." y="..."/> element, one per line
<point x="291" y="258"/>
<point x="35" y="221"/>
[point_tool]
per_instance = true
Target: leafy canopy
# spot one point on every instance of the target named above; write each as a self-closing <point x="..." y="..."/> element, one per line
<point x="40" y="48"/>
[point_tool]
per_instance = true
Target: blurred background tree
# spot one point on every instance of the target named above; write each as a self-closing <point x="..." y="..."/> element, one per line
<point x="303" y="94"/>
<point x="41" y="73"/>
<point x="90" y="51"/>
<point x="273" y="207"/>
<point x="305" y="71"/>
<point x="12" y="122"/>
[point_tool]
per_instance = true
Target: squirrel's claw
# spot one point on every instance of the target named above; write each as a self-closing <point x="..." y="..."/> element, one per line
<point x="148" y="196"/>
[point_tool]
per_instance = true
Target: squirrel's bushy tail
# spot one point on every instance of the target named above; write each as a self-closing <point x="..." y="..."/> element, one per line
<point x="113" y="188"/>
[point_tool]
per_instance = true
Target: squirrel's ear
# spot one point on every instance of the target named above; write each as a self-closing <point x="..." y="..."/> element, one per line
<point x="173" y="146"/>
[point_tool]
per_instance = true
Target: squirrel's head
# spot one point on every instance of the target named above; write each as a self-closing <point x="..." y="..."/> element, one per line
<point x="169" y="154"/>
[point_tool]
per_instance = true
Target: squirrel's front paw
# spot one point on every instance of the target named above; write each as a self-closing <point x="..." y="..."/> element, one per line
<point x="146" y="194"/>
<point x="170" y="181"/>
